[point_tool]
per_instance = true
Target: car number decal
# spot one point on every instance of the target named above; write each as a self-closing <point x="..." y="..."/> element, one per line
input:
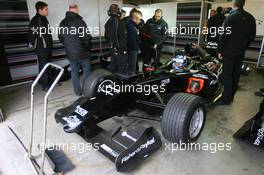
<point x="79" y="110"/>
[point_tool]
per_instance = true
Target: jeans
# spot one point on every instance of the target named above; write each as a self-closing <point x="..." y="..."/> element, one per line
<point x="132" y="61"/>
<point x="75" y="67"/>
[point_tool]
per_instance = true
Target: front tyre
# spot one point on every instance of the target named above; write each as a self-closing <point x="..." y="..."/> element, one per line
<point x="183" y="118"/>
<point x="93" y="81"/>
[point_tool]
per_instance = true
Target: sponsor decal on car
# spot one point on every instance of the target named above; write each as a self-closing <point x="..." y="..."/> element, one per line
<point x="140" y="148"/>
<point x="109" y="150"/>
<point x="73" y="121"/>
<point x="260" y="135"/>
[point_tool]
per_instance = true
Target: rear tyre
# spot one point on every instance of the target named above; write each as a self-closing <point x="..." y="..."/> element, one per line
<point x="183" y="118"/>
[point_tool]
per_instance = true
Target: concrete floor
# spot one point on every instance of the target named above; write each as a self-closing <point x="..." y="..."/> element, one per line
<point x="222" y="123"/>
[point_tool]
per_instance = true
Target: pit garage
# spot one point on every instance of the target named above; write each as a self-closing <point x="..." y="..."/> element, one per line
<point x="167" y="117"/>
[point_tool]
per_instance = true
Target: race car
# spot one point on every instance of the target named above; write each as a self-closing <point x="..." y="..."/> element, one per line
<point x="177" y="91"/>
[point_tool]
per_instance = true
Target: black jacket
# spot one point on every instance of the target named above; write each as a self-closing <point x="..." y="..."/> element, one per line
<point x="140" y="26"/>
<point x="243" y="32"/>
<point x="116" y="33"/>
<point x="133" y="37"/>
<point x="215" y="21"/>
<point x="158" y="31"/>
<point x="77" y="44"/>
<point x="36" y="39"/>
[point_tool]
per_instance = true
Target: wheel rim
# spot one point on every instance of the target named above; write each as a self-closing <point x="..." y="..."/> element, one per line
<point x="196" y="123"/>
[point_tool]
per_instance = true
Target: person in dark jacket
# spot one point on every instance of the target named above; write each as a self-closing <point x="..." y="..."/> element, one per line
<point x="157" y="30"/>
<point x="214" y="22"/>
<point x="77" y="45"/>
<point x="41" y="40"/>
<point x="213" y="13"/>
<point x="116" y="37"/>
<point x="127" y="19"/>
<point x="133" y="41"/>
<point x="141" y="29"/>
<point x="123" y="14"/>
<point x="231" y="48"/>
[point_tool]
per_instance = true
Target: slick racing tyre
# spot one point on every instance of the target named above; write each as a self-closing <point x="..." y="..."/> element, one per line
<point x="93" y="82"/>
<point x="183" y="118"/>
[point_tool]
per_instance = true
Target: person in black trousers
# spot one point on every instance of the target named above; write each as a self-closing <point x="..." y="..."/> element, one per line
<point x="41" y="40"/>
<point x="231" y="48"/>
<point x="157" y="30"/>
<point x="133" y="41"/>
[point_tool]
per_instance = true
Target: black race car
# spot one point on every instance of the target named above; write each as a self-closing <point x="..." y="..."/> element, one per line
<point x="177" y="91"/>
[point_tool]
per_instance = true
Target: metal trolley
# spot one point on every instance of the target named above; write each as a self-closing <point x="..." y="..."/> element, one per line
<point x="39" y="169"/>
<point x="260" y="64"/>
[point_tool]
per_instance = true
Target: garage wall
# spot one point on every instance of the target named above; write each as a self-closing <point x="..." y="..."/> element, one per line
<point x="169" y="11"/>
<point x="88" y="10"/>
<point x="20" y="62"/>
<point x="255" y="7"/>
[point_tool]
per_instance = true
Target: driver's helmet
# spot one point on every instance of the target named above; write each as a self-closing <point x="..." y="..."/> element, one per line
<point x="179" y="62"/>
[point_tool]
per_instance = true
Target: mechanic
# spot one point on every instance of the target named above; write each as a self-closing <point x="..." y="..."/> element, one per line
<point x="213" y="13"/>
<point x="140" y="27"/>
<point x="215" y="22"/>
<point x="116" y="37"/>
<point x="77" y="45"/>
<point x="232" y="48"/>
<point x="157" y="30"/>
<point x="41" y="40"/>
<point x="123" y="14"/>
<point x="133" y="41"/>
